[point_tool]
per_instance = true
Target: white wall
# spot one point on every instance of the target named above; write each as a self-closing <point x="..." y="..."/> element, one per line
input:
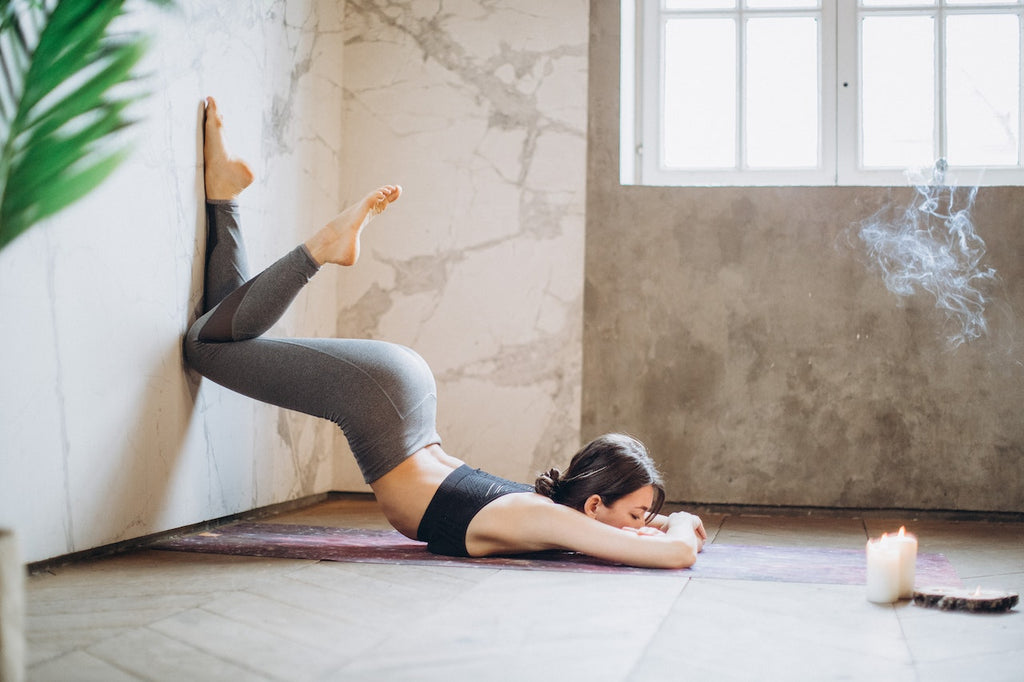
<point x="479" y="111"/>
<point x="105" y="436"/>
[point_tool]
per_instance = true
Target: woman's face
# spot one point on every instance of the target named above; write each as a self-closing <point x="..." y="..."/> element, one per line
<point x="629" y="511"/>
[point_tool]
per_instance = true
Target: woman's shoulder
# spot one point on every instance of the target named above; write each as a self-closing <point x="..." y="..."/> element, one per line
<point x="514" y="523"/>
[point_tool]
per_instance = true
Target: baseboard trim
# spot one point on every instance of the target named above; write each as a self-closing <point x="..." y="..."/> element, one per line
<point x="909" y="514"/>
<point x="143" y="541"/>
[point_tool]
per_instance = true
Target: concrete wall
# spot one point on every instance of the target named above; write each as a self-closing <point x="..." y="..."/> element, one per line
<point x="742" y="334"/>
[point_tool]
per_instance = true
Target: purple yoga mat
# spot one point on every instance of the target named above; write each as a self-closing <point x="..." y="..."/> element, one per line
<point x="729" y="562"/>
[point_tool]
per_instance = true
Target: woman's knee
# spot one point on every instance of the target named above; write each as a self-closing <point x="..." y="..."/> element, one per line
<point x="192" y="347"/>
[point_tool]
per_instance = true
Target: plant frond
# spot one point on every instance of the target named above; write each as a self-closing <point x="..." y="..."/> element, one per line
<point x="62" y="97"/>
<point x="67" y="45"/>
<point x="115" y="68"/>
<point x="51" y="156"/>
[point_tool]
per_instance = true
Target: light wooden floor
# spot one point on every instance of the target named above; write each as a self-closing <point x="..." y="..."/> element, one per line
<point x="152" y="615"/>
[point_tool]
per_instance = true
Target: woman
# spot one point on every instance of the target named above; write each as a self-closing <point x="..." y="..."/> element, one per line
<point x="383" y="397"/>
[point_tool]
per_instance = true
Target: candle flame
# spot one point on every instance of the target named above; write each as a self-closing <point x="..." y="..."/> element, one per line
<point x="977" y="592"/>
<point x="885" y="535"/>
<point x="902" y="531"/>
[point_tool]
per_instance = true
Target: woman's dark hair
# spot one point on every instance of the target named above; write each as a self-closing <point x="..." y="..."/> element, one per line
<point x="611" y="466"/>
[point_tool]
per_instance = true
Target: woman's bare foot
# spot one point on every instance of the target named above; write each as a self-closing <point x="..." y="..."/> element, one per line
<point x="226" y="176"/>
<point x="338" y="241"/>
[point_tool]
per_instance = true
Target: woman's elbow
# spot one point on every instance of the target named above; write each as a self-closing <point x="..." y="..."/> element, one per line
<point x="684" y="556"/>
<point x="678" y="555"/>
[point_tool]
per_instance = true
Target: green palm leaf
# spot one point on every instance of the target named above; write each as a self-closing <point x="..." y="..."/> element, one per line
<point x="63" y="76"/>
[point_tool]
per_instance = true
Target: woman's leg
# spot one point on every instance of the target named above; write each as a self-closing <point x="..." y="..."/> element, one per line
<point x="226" y="265"/>
<point x="382" y="395"/>
<point x="247" y="309"/>
<point x="240" y="309"/>
<point x="225" y="177"/>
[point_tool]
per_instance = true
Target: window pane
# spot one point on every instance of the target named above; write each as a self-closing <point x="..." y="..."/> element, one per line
<point x="982" y="91"/>
<point x="782" y="92"/>
<point x="699" y="4"/>
<point x="896" y="3"/>
<point x="898" y="91"/>
<point x="699" y="117"/>
<point x="782" y="4"/>
<point x="982" y="2"/>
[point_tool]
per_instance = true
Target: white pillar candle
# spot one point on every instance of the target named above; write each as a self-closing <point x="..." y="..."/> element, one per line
<point x="883" y="579"/>
<point x="12" y="610"/>
<point x="907" y="544"/>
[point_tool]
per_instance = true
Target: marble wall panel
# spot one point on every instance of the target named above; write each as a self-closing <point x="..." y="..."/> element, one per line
<point x="106" y="436"/>
<point x="478" y="110"/>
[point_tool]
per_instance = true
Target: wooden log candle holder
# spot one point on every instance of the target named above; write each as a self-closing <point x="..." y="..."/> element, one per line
<point x="12" y="609"/>
<point x="960" y="599"/>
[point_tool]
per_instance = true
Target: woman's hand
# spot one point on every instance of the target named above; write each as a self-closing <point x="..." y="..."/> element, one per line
<point x="683" y="523"/>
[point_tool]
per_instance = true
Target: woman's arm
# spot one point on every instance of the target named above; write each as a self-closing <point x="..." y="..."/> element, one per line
<point x="660" y="521"/>
<point x="528" y="523"/>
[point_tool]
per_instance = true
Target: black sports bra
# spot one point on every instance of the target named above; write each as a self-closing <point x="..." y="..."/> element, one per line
<point x="462" y="494"/>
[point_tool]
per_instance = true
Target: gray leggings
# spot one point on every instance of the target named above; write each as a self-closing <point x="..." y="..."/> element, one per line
<point x="382" y="395"/>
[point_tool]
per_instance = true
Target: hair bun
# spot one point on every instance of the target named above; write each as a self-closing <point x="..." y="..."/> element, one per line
<point x="547" y="484"/>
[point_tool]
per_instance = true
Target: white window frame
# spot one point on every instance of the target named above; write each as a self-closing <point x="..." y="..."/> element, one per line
<point x="839" y="107"/>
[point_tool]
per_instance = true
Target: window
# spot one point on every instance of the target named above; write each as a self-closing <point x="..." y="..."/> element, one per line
<point x="820" y="92"/>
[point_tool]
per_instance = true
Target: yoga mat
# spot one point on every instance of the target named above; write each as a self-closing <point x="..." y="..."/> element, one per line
<point x="729" y="562"/>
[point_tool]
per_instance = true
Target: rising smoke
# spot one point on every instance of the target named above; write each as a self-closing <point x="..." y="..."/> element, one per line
<point x="932" y="247"/>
